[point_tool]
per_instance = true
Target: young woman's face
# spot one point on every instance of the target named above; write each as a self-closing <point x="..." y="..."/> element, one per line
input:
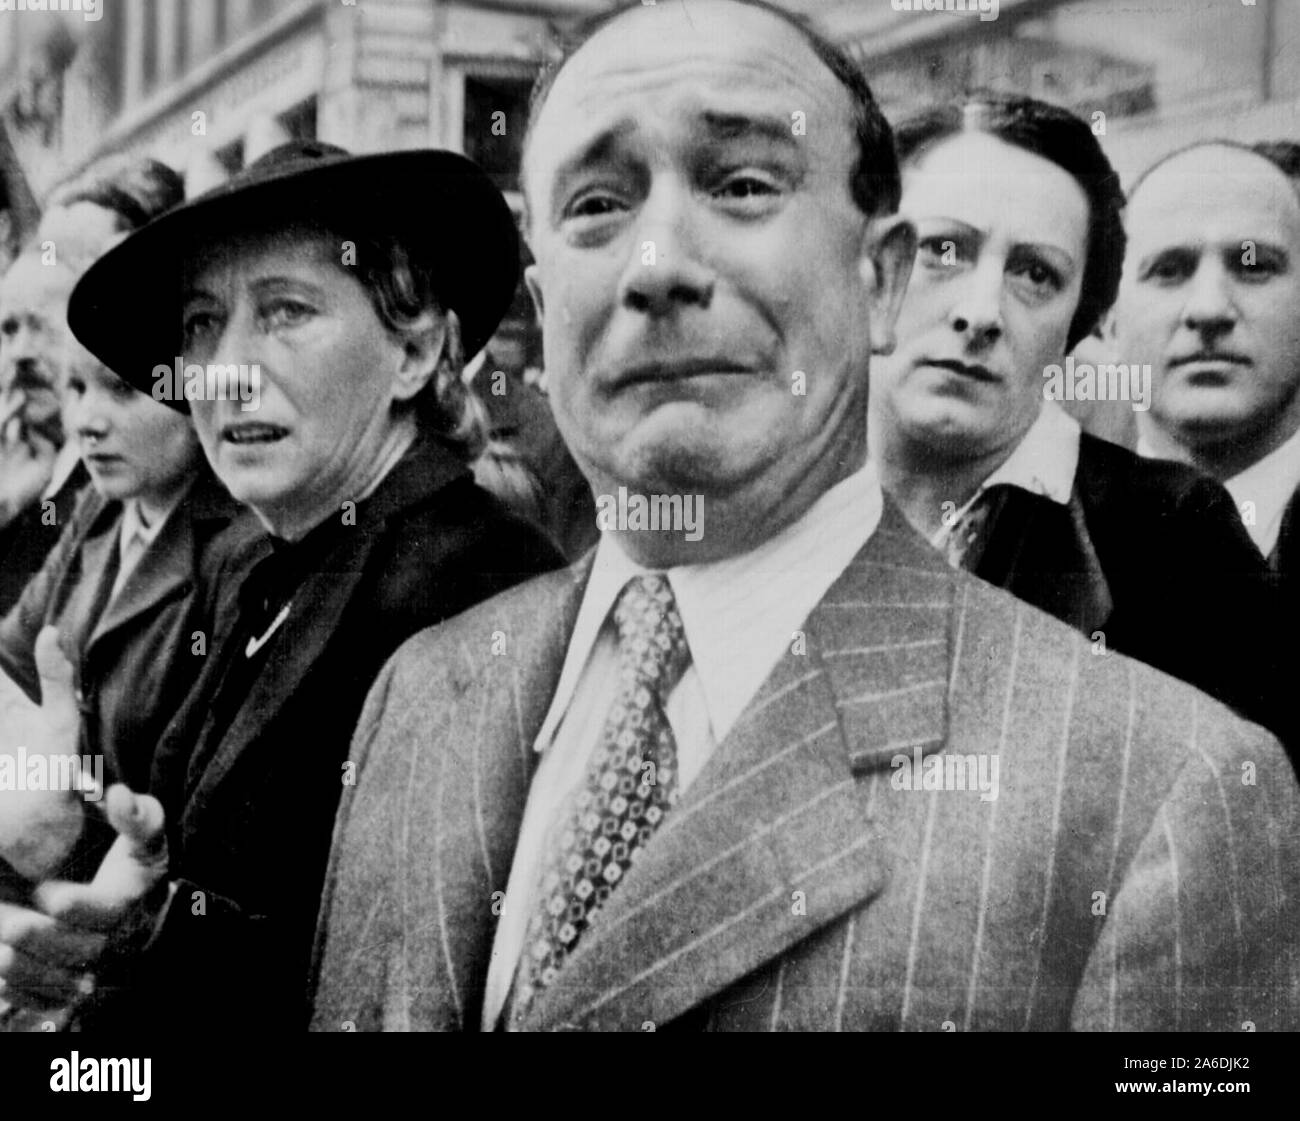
<point x="132" y="445"/>
<point x="1002" y="242"/>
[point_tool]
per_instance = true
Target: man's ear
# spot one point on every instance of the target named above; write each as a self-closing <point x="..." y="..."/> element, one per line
<point x="535" y="290"/>
<point x="423" y="347"/>
<point x="888" y="250"/>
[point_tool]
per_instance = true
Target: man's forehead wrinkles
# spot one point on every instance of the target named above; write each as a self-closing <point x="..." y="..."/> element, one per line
<point x="796" y="75"/>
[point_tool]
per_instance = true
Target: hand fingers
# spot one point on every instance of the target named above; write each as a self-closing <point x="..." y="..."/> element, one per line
<point x="51" y="662"/>
<point x="29" y="983"/>
<point x="47" y="940"/>
<point x="135" y="864"/>
<point x="60" y="715"/>
<point x="141" y="818"/>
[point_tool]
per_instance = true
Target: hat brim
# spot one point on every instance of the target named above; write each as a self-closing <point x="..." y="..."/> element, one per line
<point x="126" y="309"/>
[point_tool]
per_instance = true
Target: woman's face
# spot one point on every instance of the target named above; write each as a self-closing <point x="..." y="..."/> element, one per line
<point x="328" y="370"/>
<point x="1002" y="240"/>
<point x="133" y="446"/>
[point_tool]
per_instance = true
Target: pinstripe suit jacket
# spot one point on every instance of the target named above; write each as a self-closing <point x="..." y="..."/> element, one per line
<point x="1138" y="868"/>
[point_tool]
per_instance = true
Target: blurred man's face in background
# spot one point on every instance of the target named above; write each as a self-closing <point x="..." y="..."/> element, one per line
<point x="33" y="339"/>
<point x="1211" y="297"/>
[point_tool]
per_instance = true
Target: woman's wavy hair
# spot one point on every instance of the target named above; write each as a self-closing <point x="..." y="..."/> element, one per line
<point x="404" y="289"/>
<point x="1062" y="138"/>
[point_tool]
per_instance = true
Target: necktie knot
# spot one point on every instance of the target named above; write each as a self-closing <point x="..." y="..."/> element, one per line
<point x="651" y="639"/>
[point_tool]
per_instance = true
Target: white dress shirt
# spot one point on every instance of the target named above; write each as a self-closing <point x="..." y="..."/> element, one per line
<point x="134" y="538"/>
<point x="1269" y="483"/>
<point x="1043" y="463"/>
<point x="739" y="614"/>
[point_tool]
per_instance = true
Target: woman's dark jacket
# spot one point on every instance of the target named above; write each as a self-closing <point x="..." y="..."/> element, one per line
<point x="251" y="769"/>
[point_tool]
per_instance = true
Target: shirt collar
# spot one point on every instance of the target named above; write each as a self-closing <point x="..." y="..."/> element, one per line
<point x="733" y="608"/>
<point x="1043" y="463"/>
<point x="134" y="525"/>
<point x="1269" y="483"/>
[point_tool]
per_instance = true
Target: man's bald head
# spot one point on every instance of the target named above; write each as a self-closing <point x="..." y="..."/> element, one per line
<point x="874" y="182"/>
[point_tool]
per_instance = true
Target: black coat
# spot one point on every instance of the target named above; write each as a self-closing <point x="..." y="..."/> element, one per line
<point x="251" y="769"/>
<point x="30" y="537"/>
<point x="1150" y="559"/>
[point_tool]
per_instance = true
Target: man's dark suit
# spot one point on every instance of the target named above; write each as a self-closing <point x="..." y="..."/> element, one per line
<point x="1152" y="554"/>
<point x="1139" y="868"/>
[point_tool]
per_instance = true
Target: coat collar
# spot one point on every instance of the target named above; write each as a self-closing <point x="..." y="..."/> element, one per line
<point x="319" y="601"/>
<point x="169" y="567"/>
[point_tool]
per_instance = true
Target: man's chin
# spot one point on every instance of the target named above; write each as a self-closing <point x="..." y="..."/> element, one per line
<point x="1207" y="418"/>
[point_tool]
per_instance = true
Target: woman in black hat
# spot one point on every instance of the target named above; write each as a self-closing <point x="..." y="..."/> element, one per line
<point x="312" y="314"/>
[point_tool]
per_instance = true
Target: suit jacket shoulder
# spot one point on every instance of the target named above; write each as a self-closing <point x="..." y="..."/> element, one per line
<point x="1119" y="795"/>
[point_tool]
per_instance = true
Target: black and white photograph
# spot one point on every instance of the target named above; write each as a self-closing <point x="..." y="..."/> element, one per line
<point x="652" y="516"/>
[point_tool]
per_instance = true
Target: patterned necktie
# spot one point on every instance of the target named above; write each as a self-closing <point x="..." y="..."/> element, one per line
<point x="969" y="535"/>
<point x="631" y="782"/>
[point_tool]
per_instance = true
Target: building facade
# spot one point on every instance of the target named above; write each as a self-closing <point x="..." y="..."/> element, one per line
<point x="209" y="85"/>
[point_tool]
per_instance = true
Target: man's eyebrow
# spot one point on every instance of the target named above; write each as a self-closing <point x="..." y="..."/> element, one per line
<point x="596" y="150"/>
<point x="743" y="126"/>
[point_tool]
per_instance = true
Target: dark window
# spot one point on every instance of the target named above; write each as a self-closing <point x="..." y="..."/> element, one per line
<point x="231" y="157"/>
<point x="300" y="121"/>
<point x="496" y="111"/>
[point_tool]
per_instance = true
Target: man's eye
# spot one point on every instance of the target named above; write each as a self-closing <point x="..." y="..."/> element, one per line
<point x="746" y="186"/>
<point x="747" y="191"/>
<point x="76" y="385"/>
<point x="937" y="251"/>
<point x="1261" y="268"/>
<point x="9" y="327"/>
<point x="592" y="204"/>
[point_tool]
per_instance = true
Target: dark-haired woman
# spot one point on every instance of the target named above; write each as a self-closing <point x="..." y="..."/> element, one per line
<point x="1019" y="254"/>
<point x="338" y="296"/>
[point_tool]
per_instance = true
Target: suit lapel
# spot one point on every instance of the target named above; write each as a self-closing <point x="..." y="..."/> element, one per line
<point x="313" y="615"/>
<point x="87" y="583"/>
<point x="165" y="570"/>
<point x="775" y="838"/>
<point x="460" y="838"/>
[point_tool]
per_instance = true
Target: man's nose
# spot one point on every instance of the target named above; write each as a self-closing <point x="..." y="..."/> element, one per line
<point x="976" y="312"/>
<point x="29" y="374"/>
<point x="666" y="269"/>
<point x="1209" y="308"/>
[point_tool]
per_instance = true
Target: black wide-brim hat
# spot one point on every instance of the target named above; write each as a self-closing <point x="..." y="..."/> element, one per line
<point x="126" y="309"/>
